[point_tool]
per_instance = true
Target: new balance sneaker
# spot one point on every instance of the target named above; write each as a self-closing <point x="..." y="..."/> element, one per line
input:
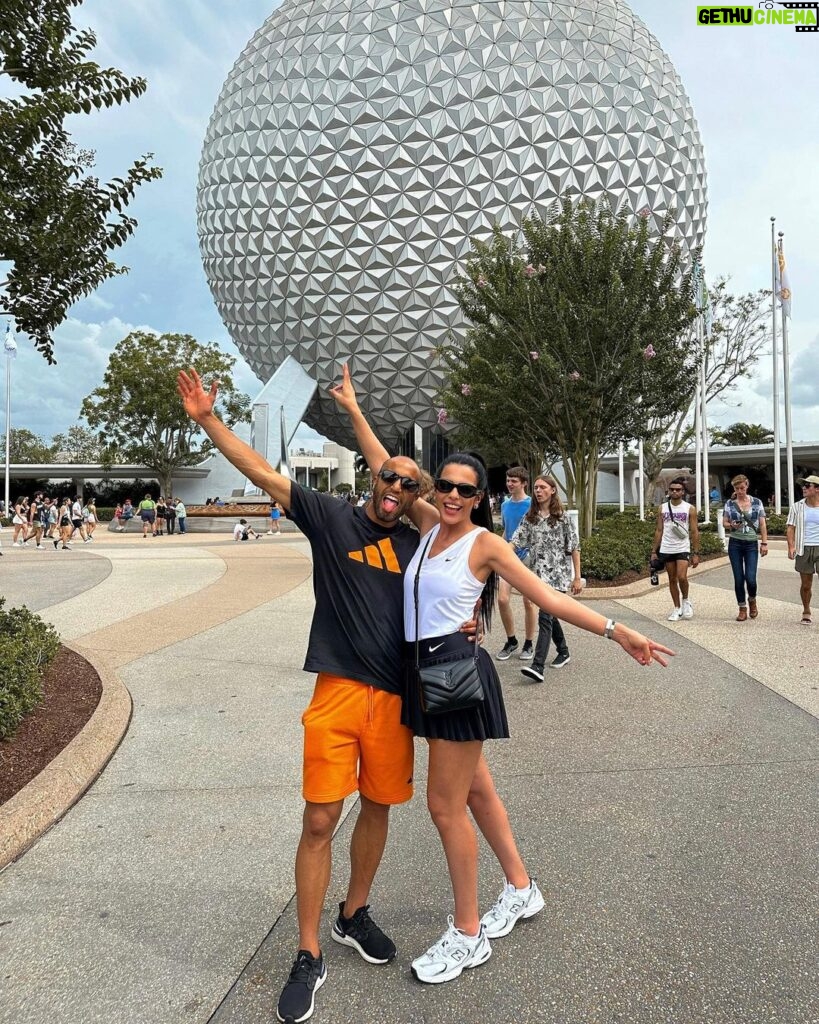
<point x="528" y="652"/>
<point x="364" y="935"/>
<point x="512" y="905"/>
<point x="297" y="1001"/>
<point x="687" y="609"/>
<point x="453" y="953"/>
<point x="532" y="673"/>
<point x="507" y="650"/>
<point x="561" y="660"/>
<point x="675" y="615"/>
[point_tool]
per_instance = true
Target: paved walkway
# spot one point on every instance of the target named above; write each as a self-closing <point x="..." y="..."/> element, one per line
<point x="670" y="815"/>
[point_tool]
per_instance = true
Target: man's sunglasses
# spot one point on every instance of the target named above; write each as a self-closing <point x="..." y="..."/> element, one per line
<point x="443" y="486"/>
<point x="389" y="476"/>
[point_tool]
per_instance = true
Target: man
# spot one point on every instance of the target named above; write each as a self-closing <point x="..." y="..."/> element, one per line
<point x="512" y="511"/>
<point x="77" y="521"/>
<point x="802" y="533"/>
<point x="353" y="738"/>
<point x="677" y="529"/>
<point x="38" y="518"/>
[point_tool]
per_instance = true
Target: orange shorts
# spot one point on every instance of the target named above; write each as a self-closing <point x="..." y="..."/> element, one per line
<point x="354" y="740"/>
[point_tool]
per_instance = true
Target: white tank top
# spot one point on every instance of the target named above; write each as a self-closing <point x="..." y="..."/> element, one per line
<point x="447" y="590"/>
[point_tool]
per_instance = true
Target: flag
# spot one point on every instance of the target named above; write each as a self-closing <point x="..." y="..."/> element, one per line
<point x="783" y="287"/>
<point x="697" y="284"/>
<point x="10" y="346"/>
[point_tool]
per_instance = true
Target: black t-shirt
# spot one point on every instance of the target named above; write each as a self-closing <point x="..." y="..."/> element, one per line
<point x="358" y="579"/>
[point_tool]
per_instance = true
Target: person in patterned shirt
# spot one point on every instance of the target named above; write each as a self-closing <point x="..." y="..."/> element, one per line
<point x="554" y="551"/>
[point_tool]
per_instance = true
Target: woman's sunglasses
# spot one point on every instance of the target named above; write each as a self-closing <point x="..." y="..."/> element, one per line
<point x="443" y="486"/>
<point x="389" y="476"/>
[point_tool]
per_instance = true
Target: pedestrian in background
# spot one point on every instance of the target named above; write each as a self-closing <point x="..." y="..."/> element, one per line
<point x="181" y="515"/>
<point x="554" y="556"/>
<point x="744" y="520"/>
<point x="803" y="540"/>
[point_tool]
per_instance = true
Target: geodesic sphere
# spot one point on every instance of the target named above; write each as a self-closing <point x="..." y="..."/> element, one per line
<point x="357" y="145"/>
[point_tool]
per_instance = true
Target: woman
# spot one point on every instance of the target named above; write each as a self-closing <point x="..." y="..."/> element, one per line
<point x="553" y="550"/>
<point x="161" y="510"/>
<point x="457" y="563"/>
<point x="461" y="559"/>
<point x="65" y="524"/>
<point x="90" y="518"/>
<point x="275" y="516"/>
<point x="745" y="523"/>
<point x="20" y="522"/>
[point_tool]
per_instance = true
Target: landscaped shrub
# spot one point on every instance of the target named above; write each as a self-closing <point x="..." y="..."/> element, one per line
<point x="28" y="645"/>
<point x="776" y="524"/>
<point x="622" y="543"/>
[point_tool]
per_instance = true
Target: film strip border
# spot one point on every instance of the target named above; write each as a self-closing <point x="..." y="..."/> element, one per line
<point x="814" y="6"/>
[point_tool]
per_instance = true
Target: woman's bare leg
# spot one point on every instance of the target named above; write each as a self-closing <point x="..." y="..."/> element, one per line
<point x="452" y="769"/>
<point x="490" y="815"/>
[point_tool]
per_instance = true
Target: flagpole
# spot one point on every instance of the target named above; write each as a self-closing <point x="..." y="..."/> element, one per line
<point x="706" y="484"/>
<point x="697" y="445"/>
<point x="777" y="466"/>
<point x="10" y="349"/>
<point x="640" y="477"/>
<point x="786" y="371"/>
<point x="620" y="476"/>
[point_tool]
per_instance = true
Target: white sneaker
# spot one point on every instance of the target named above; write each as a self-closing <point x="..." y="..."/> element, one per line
<point x="512" y="905"/>
<point x="451" y="954"/>
<point x="675" y="616"/>
<point x="687" y="610"/>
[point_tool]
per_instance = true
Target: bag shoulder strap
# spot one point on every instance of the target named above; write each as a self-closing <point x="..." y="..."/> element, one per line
<point x="415" y="595"/>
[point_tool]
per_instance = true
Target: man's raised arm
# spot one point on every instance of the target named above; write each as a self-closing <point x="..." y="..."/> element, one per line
<point x="198" y="404"/>
<point x="374" y="452"/>
<point x="421" y="513"/>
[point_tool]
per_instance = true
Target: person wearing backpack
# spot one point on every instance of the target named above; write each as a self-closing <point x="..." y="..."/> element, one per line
<point x="677" y="530"/>
<point x="745" y="523"/>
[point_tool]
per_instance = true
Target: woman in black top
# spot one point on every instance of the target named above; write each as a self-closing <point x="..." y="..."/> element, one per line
<point x="161" y="513"/>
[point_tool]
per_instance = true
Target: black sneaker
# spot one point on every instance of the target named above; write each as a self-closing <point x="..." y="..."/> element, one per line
<point x="297" y="1001"/>
<point x="532" y="673"/>
<point x="507" y="650"/>
<point x="528" y="651"/>
<point x="561" y="660"/>
<point x="363" y="934"/>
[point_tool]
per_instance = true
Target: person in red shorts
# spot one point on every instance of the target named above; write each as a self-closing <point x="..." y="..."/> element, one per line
<point x="353" y="736"/>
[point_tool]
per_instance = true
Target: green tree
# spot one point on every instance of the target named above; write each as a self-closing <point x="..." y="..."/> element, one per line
<point x="27" y="447"/>
<point x="739" y="334"/>
<point x="742" y="434"/>
<point x="137" y="410"/>
<point x="575" y="341"/>
<point x="58" y="222"/>
<point x="78" y="444"/>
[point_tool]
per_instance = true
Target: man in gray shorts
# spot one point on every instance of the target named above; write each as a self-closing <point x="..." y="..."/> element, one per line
<point x="803" y="540"/>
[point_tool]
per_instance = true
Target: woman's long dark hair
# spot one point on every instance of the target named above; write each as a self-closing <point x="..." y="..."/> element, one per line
<point x="480" y="516"/>
<point x="555" y="504"/>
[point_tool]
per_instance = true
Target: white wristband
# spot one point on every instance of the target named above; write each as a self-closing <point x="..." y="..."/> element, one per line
<point x="608" y="632"/>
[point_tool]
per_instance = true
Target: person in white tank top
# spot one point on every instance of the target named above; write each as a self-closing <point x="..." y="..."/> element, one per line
<point x="676" y="541"/>
<point x="458" y="560"/>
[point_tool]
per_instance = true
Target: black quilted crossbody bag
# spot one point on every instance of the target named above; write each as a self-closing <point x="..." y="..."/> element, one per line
<point x="451" y="685"/>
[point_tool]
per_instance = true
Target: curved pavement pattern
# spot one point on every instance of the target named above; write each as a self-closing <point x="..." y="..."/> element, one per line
<point x="670" y="816"/>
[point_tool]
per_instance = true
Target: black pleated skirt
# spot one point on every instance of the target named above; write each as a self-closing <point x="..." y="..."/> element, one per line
<point x="487" y="721"/>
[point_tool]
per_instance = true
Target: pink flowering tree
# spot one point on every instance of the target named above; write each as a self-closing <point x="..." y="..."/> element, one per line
<point x="578" y="338"/>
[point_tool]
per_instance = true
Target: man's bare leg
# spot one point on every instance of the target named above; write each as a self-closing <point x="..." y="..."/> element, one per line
<point x="366" y="850"/>
<point x="313" y="862"/>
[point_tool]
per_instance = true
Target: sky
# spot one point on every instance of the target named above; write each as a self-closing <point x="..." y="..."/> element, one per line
<point x="752" y="90"/>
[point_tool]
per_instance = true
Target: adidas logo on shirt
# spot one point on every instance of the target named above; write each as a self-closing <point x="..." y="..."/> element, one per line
<point x="380" y="556"/>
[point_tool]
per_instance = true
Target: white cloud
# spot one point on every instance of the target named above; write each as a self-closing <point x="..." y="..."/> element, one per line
<point x="46" y="399"/>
